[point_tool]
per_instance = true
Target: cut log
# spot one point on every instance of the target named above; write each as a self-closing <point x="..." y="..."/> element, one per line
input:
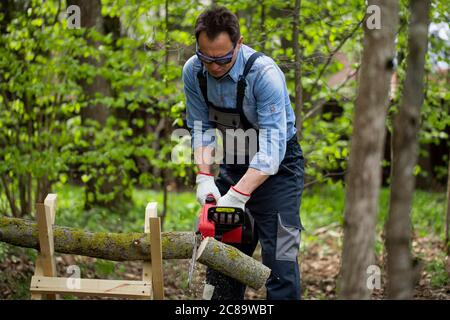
<point x="233" y="263"/>
<point x="136" y="246"/>
<point x="103" y="245"/>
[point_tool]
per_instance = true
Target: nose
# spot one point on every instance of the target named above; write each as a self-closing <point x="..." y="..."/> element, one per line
<point x="214" y="67"/>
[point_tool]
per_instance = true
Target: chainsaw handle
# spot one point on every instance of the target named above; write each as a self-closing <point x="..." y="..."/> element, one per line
<point x="210" y="199"/>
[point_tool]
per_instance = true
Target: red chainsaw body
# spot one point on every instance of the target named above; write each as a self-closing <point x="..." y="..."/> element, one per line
<point x="207" y="227"/>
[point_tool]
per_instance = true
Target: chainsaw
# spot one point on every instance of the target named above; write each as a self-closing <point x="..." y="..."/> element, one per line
<point x="229" y="225"/>
<point x="225" y="224"/>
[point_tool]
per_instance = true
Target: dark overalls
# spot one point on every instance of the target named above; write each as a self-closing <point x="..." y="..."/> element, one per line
<point x="274" y="205"/>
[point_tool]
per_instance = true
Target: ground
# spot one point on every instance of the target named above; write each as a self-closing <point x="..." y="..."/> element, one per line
<point x="319" y="261"/>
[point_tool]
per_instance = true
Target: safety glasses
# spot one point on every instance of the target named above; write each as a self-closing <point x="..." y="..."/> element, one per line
<point x="223" y="60"/>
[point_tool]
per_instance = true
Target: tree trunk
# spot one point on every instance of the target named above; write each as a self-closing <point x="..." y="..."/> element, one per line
<point x="262" y="28"/>
<point x="136" y="246"/>
<point x="103" y="245"/>
<point x="364" y="173"/>
<point x="43" y="186"/>
<point x="404" y="155"/>
<point x="232" y="262"/>
<point x="91" y="17"/>
<point x="298" y="69"/>
<point x="22" y="188"/>
<point x="6" y="183"/>
<point x="165" y="171"/>
<point x="447" y="220"/>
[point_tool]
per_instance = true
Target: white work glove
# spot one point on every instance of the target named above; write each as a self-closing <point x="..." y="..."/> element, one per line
<point x="205" y="186"/>
<point x="234" y="198"/>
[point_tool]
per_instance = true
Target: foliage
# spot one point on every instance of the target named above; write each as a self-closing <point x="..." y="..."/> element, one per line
<point x="45" y="67"/>
<point x="439" y="276"/>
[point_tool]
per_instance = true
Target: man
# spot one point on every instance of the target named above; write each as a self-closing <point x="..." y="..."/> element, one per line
<point x="229" y="86"/>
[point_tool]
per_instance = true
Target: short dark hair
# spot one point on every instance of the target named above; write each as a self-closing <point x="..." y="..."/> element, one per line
<point x="216" y="20"/>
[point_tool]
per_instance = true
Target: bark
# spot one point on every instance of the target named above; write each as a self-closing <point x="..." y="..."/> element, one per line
<point x="405" y="152"/>
<point x="136" y="246"/>
<point x="364" y="174"/>
<point x="43" y="187"/>
<point x="103" y="245"/>
<point x="23" y="193"/>
<point x="447" y="222"/>
<point x="5" y="180"/>
<point x="262" y="28"/>
<point x="298" y="69"/>
<point x="91" y="17"/>
<point x="232" y="262"/>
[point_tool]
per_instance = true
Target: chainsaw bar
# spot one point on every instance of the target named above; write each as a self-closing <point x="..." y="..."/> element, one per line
<point x="193" y="261"/>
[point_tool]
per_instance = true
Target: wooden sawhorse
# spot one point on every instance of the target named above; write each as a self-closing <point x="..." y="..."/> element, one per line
<point x="46" y="285"/>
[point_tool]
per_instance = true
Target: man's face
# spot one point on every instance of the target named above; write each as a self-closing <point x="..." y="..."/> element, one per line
<point x="218" y="47"/>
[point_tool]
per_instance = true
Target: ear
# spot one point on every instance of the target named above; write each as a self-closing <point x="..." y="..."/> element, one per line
<point x="239" y="42"/>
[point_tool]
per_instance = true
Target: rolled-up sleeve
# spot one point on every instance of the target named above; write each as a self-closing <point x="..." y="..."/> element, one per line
<point x="202" y="130"/>
<point x="270" y="106"/>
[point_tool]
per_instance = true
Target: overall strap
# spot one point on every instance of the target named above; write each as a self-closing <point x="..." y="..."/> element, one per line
<point x="203" y="85"/>
<point x="241" y="88"/>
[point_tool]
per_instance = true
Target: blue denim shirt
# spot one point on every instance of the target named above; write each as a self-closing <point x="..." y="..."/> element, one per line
<point x="266" y="105"/>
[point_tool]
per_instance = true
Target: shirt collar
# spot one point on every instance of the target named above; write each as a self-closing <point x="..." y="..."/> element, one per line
<point x="236" y="70"/>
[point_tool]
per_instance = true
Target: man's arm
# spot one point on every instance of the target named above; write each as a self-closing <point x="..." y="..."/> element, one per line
<point x="269" y="92"/>
<point x="202" y="131"/>
<point x="203" y="143"/>
<point x="204" y="157"/>
<point x="251" y="180"/>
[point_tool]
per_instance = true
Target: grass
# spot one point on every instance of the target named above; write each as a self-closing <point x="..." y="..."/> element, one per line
<point x="321" y="205"/>
<point x="439" y="276"/>
<point x="181" y="211"/>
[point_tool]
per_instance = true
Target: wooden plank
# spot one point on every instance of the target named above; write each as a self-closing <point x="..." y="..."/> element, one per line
<point x="38" y="271"/>
<point x="91" y="287"/>
<point x="46" y="240"/>
<point x="156" y="252"/>
<point x="45" y="230"/>
<point x="151" y="212"/>
<point x="50" y="205"/>
<point x="147" y="265"/>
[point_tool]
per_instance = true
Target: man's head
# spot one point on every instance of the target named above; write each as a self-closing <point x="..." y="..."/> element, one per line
<point x="218" y="36"/>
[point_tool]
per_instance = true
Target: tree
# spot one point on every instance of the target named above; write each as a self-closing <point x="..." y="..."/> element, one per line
<point x="298" y="68"/>
<point x="404" y="154"/>
<point x="364" y="170"/>
<point x="447" y="219"/>
<point x="95" y="113"/>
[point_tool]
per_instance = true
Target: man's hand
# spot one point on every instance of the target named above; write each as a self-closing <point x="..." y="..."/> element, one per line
<point x="234" y="198"/>
<point x="205" y="186"/>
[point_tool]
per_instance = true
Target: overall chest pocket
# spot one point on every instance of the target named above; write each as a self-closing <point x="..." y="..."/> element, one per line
<point x="225" y="120"/>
